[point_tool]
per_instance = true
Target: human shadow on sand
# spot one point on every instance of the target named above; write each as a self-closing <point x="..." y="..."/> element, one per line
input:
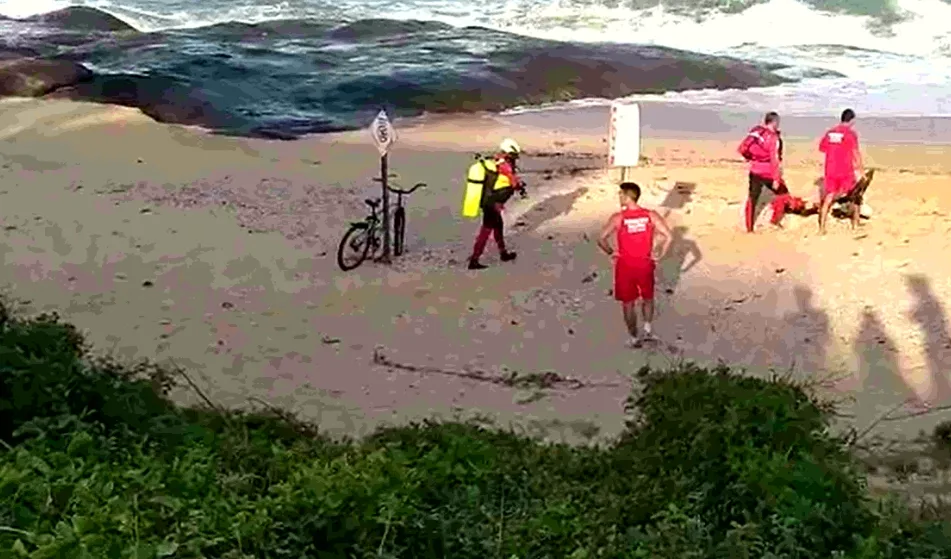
<point x="878" y="368"/>
<point x="678" y="197"/>
<point x="548" y="209"/>
<point x="806" y="332"/>
<point x="933" y="322"/>
<point x="684" y="254"/>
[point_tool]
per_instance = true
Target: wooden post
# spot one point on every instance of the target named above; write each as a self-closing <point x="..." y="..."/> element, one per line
<point x="384" y="180"/>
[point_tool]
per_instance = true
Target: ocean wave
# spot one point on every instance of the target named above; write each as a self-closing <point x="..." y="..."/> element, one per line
<point x="290" y="77"/>
<point x="879" y="56"/>
<point x="756" y="29"/>
<point x="904" y="26"/>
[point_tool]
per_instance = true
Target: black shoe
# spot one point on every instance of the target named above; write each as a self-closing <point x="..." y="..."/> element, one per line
<point x="507" y="256"/>
<point x="476" y="265"/>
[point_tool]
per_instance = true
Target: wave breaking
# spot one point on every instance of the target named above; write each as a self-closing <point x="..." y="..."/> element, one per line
<point x="283" y="79"/>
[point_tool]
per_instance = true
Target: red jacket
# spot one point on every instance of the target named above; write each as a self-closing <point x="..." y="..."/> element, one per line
<point x="761" y="148"/>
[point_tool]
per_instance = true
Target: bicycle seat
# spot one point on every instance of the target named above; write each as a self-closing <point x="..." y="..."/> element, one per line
<point x="372" y="203"/>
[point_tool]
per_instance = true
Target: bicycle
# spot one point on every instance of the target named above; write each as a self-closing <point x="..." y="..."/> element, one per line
<point x="361" y="237"/>
<point x="365" y="237"/>
<point x="399" y="217"/>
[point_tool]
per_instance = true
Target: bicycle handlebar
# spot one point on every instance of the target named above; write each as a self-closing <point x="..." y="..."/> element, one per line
<point x="410" y="191"/>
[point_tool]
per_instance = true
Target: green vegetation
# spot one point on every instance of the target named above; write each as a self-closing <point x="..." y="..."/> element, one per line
<point x="96" y="463"/>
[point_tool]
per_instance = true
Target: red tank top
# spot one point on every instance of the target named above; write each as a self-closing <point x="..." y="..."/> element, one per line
<point x="635" y="236"/>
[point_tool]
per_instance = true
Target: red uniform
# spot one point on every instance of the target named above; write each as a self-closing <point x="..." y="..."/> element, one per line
<point x="762" y="147"/>
<point x="839" y="145"/>
<point x="634" y="267"/>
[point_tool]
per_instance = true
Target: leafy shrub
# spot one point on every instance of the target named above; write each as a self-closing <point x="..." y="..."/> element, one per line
<point x="748" y="458"/>
<point x="97" y="463"/>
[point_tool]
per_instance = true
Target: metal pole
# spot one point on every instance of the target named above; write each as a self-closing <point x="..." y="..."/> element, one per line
<point x="384" y="174"/>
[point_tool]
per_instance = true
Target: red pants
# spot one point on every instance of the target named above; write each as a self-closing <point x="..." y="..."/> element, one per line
<point x="757" y="184"/>
<point x="780" y="204"/>
<point x="838" y="186"/>
<point x="493" y="225"/>
<point x="633" y="280"/>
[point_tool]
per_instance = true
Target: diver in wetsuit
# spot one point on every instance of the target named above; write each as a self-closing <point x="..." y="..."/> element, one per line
<point x="501" y="170"/>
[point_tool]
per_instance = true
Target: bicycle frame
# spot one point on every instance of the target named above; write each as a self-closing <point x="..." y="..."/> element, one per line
<point x="400" y="193"/>
<point x="374" y="221"/>
<point x="370" y="219"/>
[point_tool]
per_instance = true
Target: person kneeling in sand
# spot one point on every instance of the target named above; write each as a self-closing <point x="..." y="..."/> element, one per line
<point x="785" y="203"/>
<point x="635" y="257"/>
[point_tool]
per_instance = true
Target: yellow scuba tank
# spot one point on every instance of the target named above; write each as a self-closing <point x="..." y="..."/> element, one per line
<point x="481" y="173"/>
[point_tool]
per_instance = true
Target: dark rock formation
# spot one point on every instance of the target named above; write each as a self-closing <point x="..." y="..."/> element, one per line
<point x="32" y="77"/>
<point x="163" y="99"/>
<point x="79" y="18"/>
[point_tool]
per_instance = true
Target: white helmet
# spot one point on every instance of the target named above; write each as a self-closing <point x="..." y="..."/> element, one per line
<point x="510" y="147"/>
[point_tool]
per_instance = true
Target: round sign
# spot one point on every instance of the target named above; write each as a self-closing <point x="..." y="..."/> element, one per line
<point x="382" y="132"/>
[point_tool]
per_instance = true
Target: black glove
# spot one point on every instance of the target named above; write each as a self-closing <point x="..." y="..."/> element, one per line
<point x="521" y="190"/>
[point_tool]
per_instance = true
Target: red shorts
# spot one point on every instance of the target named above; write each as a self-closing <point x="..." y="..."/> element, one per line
<point x="634" y="280"/>
<point x="839" y="186"/>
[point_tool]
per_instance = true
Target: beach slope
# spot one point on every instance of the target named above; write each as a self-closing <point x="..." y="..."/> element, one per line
<point x="217" y="255"/>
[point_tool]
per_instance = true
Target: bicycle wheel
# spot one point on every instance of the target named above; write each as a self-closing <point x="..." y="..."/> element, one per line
<point x="354" y="246"/>
<point x="399" y="230"/>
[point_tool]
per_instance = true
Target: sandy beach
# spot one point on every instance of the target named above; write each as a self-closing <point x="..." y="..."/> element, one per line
<point x="217" y="254"/>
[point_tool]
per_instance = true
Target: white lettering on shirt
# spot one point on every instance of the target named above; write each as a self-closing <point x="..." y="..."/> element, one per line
<point x="836" y="137"/>
<point x="636" y="224"/>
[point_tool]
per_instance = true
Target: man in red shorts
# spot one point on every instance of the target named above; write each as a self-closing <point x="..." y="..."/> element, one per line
<point x="634" y="259"/>
<point x="843" y="166"/>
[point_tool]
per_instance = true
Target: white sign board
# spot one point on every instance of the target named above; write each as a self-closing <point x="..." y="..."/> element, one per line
<point x="382" y="132"/>
<point x="624" y="135"/>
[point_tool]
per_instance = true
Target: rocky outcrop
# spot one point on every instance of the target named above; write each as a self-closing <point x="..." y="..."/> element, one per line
<point x="79" y="18"/>
<point x="34" y="77"/>
<point x="162" y="99"/>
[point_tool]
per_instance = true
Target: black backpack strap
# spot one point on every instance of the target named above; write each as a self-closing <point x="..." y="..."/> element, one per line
<point x="488" y="192"/>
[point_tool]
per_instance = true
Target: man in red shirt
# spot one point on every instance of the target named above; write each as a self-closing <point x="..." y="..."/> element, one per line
<point x="762" y="147"/>
<point x="843" y="166"/>
<point x="634" y="259"/>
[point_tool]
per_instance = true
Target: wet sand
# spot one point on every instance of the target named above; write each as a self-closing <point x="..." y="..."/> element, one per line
<point x="218" y="255"/>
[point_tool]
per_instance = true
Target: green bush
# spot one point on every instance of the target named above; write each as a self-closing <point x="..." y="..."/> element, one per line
<point x="97" y="463"/>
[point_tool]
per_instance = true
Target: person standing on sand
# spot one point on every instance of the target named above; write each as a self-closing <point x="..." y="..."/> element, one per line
<point x="635" y="257"/>
<point x="763" y="148"/>
<point x="843" y="167"/>
<point x="494" y="196"/>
